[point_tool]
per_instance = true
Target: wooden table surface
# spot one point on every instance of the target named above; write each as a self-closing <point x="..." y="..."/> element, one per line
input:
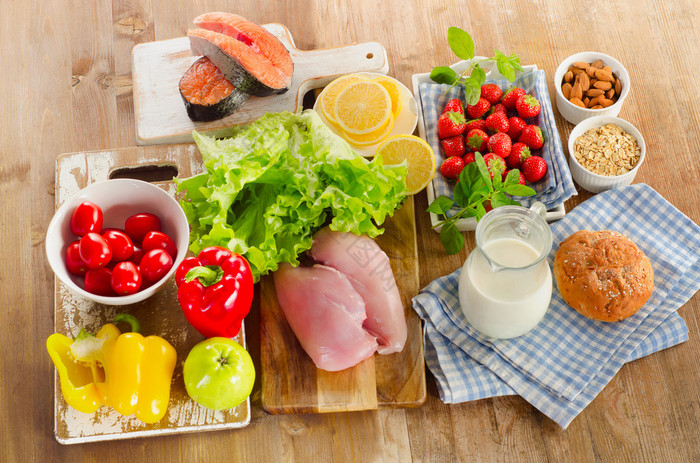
<point x="66" y="87"/>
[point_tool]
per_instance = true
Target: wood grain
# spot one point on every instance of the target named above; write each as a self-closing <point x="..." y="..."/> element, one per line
<point x="59" y="58"/>
<point x="291" y="383"/>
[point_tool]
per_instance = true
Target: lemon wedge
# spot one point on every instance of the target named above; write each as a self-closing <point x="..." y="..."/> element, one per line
<point x="392" y="86"/>
<point x="418" y="156"/>
<point x="331" y="91"/>
<point x="362" y="107"/>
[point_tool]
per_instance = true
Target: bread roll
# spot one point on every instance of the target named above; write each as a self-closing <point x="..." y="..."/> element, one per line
<point x="603" y="275"/>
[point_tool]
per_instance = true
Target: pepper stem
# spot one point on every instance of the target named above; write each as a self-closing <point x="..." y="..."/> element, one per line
<point x="208" y="274"/>
<point x="130" y="319"/>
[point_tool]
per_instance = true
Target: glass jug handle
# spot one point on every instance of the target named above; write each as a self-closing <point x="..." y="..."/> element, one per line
<point x="539" y="209"/>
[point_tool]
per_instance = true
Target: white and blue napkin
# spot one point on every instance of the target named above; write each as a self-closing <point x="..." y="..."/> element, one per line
<point x="557" y="185"/>
<point x="561" y="365"/>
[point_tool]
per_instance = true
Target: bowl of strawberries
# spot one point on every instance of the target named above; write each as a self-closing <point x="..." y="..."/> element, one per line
<point x="511" y="124"/>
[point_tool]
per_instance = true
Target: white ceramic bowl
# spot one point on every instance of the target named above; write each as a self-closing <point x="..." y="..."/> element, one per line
<point x="576" y="114"/>
<point x="118" y="199"/>
<point x="596" y="183"/>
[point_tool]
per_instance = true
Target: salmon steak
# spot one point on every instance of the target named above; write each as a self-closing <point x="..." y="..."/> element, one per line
<point x="207" y="94"/>
<point x="248" y="55"/>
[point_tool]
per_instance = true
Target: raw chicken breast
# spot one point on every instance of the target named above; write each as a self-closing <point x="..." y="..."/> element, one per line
<point x="326" y="314"/>
<point x="368" y="269"/>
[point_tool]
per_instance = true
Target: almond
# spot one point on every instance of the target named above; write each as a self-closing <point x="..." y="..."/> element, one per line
<point x="581" y="64"/>
<point x="568" y="77"/>
<point x="605" y="102"/>
<point x="603" y="85"/>
<point x="597" y="107"/>
<point x="586" y="100"/>
<point x="594" y="92"/>
<point x="603" y="75"/>
<point x="618" y="86"/>
<point x="577" y="102"/>
<point x="584" y="81"/>
<point x="598" y="64"/>
<point x="610" y="94"/>
<point x="590" y="70"/>
<point x="595" y="100"/>
<point x="607" y="69"/>
<point x="566" y="90"/>
<point x="576" y="91"/>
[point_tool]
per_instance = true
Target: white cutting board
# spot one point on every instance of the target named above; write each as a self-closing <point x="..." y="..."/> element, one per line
<point x="158" y="66"/>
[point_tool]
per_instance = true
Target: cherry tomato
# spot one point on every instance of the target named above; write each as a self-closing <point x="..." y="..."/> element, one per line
<point x="138" y="225"/>
<point x="74" y="263"/>
<point x="159" y="240"/>
<point x="137" y="255"/>
<point x="155" y="264"/>
<point x="94" y="250"/>
<point x="87" y="218"/>
<point x="126" y="278"/>
<point x="99" y="281"/>
<point x="120" y="243"/>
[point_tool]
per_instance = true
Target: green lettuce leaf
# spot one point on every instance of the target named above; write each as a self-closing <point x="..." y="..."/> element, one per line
<point x="272" y="184"/>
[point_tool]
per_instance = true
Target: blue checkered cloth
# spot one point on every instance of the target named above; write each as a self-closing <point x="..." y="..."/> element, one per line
<point x="562" y="364"/>
<point x="557" y="185"/>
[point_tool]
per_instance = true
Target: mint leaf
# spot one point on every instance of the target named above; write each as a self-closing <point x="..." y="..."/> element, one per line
<point x="443" y="75"/>
<point x="470" y="178"/>
<point x="479" y="194"/>
<point x="479" y="75"/>
<point x="472" y="91"/>
<point x="512" y="177"/>
<point x="461" y="43"/>
<point x="514" y="61"/>
<point x="499" y="199"/>
<point x="484" y="171"/>
<point x="519" y="190"/>
<point x="452" y="239"/>
<point x="441" y="205"/>
<point x="505" y="67"/>
<point x="460" y="195"/>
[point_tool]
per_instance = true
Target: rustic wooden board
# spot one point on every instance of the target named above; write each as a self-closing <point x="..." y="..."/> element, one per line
<point x="159" y="315"/>
<point x="291" y="383"/>
<point x="158" y="66"/>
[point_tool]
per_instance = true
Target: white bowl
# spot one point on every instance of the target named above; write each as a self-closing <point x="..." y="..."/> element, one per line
<point x="118" y="199"/>
<point x="596" y="183"/>
<point x="576" y="114"/>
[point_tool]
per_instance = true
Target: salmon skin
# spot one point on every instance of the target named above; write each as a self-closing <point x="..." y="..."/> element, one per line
<point x="207" y="94"/>
<point x="249" y="56"/>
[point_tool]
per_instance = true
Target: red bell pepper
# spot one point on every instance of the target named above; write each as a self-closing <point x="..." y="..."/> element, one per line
<point x="215" y="291"/>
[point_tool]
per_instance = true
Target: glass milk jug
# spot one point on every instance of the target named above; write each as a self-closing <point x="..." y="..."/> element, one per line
<point x="505" y="285"/>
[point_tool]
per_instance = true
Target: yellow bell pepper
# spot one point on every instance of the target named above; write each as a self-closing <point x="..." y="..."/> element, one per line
<point x="128" y="372"/>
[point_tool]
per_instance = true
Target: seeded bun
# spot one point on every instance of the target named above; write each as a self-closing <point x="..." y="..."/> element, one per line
<point x="603" y="275"/>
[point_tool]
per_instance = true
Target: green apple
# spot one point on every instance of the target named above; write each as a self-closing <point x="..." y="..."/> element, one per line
<point x="219" y="373"/>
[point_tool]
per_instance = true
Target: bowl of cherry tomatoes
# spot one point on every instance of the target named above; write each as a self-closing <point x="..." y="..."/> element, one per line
<point x="117" y="241"/>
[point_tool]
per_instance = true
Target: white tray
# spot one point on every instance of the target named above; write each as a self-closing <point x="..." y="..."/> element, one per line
<point x="469" y="223"/>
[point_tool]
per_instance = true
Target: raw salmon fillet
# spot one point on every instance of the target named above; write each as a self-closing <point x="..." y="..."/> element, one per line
<point x="250" y="57"/>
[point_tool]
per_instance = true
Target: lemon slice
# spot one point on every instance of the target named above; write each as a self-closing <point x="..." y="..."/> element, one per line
<point x="371" y="138"/>
<point x="362" y="107"/>
<point x="418" y="155"/>
<point x="392" y="86"/>
<point x="331" y="91"/>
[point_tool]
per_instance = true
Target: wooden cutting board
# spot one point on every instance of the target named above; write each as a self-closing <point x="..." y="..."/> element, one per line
<point x="291" y="383"/>
<point x="160" y="314"/>
<point x="158" y="66"/>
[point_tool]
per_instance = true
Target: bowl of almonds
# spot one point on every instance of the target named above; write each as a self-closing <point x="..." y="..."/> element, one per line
<point x="590" y="84"/>
<point x="605" y="152"/>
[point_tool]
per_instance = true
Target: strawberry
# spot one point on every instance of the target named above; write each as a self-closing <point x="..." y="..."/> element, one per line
<point x="500" y="144"/>
<point x="534" y="168"/>
<point x="491" y="93"/>
<point x="495" y="164"/>
<point x="479" y="109"/>
<point x="475" y="124"/>
<point x="451" y="167"/>
<point x="476" y="140"/>
<point x="450" y="124"/>
<point x="532" y="137"/>
<point x="453" y="146"/>
<point x="527" y="106"/>
<point x="455" y="104"/>
<point x="469" y="158"/>
<point x="497" y="122"/>
<point x="518" y="153"/>
<point x="499" y="108"/>
<point x="516" y="126"/>
<point x="510" y="97"/>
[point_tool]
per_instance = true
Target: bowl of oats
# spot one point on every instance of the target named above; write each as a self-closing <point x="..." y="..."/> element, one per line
<point x="605" y="152"/>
